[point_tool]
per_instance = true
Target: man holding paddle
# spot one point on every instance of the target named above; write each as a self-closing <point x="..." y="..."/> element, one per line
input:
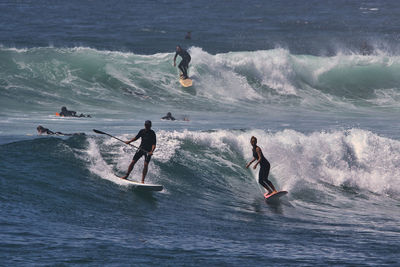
<point x="146" y="149"/>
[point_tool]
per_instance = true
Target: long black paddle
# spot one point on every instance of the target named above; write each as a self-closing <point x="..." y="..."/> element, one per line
<point x="100" y="132"/>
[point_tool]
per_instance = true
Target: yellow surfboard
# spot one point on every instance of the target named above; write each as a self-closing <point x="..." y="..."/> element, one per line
<point x="186" y="82"/>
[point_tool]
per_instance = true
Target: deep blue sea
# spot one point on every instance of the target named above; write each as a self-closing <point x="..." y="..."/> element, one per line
<point x="317" y="82"/>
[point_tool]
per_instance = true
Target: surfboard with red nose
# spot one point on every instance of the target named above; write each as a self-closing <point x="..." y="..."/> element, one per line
<point x="274" y="196"/>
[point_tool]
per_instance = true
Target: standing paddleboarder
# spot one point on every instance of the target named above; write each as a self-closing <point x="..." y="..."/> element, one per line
<point x="146" y="149"/>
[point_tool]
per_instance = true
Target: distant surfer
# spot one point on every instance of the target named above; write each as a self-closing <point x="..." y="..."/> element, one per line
<point x="146" y="149"/>
<point x="70" y="113"/>
<point x="67" y="113"/>
<point x="264" y="166"/>
<point x="188" y="36"/>
<point x="41" y="130"/>
<point x="184" y="65"/>
<point x="168" y="117"/>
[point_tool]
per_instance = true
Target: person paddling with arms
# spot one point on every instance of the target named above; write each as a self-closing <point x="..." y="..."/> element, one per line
<point x="264" y="167"/>
<point x="146" y="149"/>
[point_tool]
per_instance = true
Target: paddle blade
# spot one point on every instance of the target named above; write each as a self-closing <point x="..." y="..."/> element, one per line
<point x="99" y="132"/>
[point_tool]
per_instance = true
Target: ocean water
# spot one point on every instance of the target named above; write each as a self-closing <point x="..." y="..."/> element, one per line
<point x="317" y="82"/>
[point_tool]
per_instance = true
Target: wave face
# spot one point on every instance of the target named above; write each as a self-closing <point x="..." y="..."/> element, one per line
<point x="214" y="160"/>
<point x="335" y="181"/>
<point x="106" y="82"/>
<point x="345" y="158"/>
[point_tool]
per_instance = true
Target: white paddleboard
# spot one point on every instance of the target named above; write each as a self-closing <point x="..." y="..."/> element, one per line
<point x="144" y="187"/>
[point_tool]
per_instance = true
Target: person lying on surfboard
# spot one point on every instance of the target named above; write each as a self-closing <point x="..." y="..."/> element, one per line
<point x="184" y="65"/>
<point x="264" y="166"/>
<point x="146" y="149"/>
<point x="41" y="130"/>
<point x="70" y="113"/>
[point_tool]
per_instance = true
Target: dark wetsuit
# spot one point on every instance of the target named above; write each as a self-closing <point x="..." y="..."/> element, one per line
<point x="70" y="113"/>
<point x="42" y="130"/>
<point x="184" y="65"/>
<point x="148" y="140"/>
<point x="168" y="117"/>
<point x="264" y="169"/>
<point x="67" y="113"/>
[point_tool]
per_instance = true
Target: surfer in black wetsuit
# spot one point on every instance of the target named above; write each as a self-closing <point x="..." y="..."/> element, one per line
<point x="184" y="65"/>
<point x="168" y="117"/>
<point x="67" y="113"/>
<point x="146" y="149"/>
<point x="264" y="166"/>
<point x="41" y="130"/>
<point x="70" y="113"/>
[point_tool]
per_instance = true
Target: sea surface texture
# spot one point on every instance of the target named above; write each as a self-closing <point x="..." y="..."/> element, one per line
<point x="317" y="82"/>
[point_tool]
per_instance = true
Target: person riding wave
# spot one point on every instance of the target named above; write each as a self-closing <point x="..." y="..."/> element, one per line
<point x="146" y="149"/>
<point x="264" y="166"/>
<point x="184" y="64"/>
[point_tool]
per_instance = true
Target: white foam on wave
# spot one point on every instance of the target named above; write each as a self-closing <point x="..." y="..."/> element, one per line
<point x="355" y="158"/>
<point x="99" y="166"/>
<point x="168" y="144"/>
<point x="217" y="79"/>
<point x="14" y="49"/>
<point x="225" y="79"/>
<point x="352" y="158"/>
<point x="386" y="97"/>
<point x="273" y="67"/>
